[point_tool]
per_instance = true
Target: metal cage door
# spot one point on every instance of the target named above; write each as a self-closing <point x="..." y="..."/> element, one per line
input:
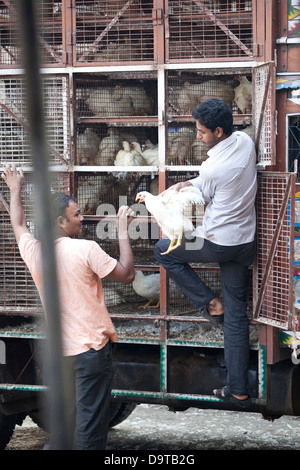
<point x="273" y="295"/>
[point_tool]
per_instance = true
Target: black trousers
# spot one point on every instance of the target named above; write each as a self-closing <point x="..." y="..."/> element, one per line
<point x="90" y="377"/>
<point x="234" y="262"/>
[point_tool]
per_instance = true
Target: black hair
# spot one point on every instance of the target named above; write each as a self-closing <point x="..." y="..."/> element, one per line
<point x="214" y="113"/>
<point x="61" y="202"/>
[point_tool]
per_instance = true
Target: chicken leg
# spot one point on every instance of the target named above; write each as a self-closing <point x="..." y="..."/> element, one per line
<point x="172" y="246"/>
<point x="148" y="305"/>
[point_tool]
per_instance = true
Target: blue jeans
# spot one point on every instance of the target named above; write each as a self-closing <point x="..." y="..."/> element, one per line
<point x="90" y="377"/>
<point x="234" y="262"/>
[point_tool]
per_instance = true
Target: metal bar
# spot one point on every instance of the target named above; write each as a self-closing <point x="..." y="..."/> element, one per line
<point x="156" y="396"/>
<point x="262" y="110"/>
<point x="23" y="387"/>
<point x="4" y="201"/>
<point x="59" y="436"/>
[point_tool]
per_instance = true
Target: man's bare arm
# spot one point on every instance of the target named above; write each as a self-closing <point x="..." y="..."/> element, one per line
<point x="14" y="180"/>
<point x="124" y="270"/>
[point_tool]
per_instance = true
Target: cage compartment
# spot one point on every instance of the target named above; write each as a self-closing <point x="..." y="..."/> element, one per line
<point x="100" y="192"/>
<point x="183" y="148"/>
<point x="17" y="289"/>
<point x="209" y="30"/>
<point x="100" y="196"/>
<point x="188" y="89"/>
<point x="105" y="97"/>
<point x="132" y="299"/>
<point x="10" y="50"/>
<point x="15" y="144"/>
<point x="50" y="33"/>
<point x="99" y="145"/>
<point x="114" y="32"/>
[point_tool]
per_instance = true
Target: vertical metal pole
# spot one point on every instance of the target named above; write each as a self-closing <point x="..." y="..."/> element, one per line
<point x="58" y="437"/>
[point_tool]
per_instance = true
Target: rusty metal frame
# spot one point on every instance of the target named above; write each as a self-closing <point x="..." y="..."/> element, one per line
<point x="264" y="107"/>
<point x="283" y="315"/>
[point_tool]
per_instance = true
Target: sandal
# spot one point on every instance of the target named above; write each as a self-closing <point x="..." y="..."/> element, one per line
<point x="213" y="318"/>
<point x="225" y="394"/>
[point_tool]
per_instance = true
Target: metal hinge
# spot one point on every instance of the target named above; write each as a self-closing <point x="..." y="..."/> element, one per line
<point x="71" y="38"/>
<point x="157" y="16"/>
<point x="258" y="50"/>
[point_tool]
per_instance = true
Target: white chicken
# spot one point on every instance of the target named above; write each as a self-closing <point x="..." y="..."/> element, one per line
<point x="150" y="153"/>
<point x="108" y="149"/>
<point x="192" y="94"/>
<point x="147" y="286"/>
<point x="88" y="195"/>
<point x="87" y="147"/>
<point x="129" y="156"/>
<point x="180" y="145"/>
<point x="109" y="102"/>
<point x="168" y="210"/>
<point x="243" y="95"/>
<point x="142" y="104"/>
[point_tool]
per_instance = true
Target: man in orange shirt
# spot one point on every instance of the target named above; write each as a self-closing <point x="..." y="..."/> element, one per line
<point x="87" y="330"/>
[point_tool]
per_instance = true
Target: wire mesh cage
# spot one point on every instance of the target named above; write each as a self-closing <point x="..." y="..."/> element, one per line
<point x="102" y="145"/>
<point x="187" y="89"/>
<point x="264" y="119"/>
<point x="10" y="45"/>
<point x="143" y="236"/>
<point x="207" y="30"/>
<point x="14" y="127"/>
<point x="100" y="196"/>
<point x="182" y="146"/>
<point x="107" y="97"/>
<point x="113" y="32"/>
<point x="100" y="192"/>
<point x="50" y="33"/>
<point x="17" y="290"/>
<point x="276" y="302"/>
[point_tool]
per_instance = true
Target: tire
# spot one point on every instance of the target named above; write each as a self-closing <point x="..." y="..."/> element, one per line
<point x="7" y="426"/>
<point x="119" y="412"/>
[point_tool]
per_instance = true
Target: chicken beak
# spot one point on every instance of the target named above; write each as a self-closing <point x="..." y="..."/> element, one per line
<point x="138" y="199"/>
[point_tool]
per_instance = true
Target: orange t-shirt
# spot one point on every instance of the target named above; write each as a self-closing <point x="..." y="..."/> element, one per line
<point x="81" y="264"/>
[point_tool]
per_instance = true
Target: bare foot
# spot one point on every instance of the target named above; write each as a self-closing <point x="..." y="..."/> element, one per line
<point x="241" y="397"/>
<point x="215" y="307"/>
<point x="238" y="397"/>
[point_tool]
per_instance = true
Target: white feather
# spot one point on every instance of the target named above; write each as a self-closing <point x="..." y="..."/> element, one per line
<point x="168" y="209"/>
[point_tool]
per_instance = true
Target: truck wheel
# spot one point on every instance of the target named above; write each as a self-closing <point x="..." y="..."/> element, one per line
<point x="119" y="412"/>
<point x="7" y="426"/>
